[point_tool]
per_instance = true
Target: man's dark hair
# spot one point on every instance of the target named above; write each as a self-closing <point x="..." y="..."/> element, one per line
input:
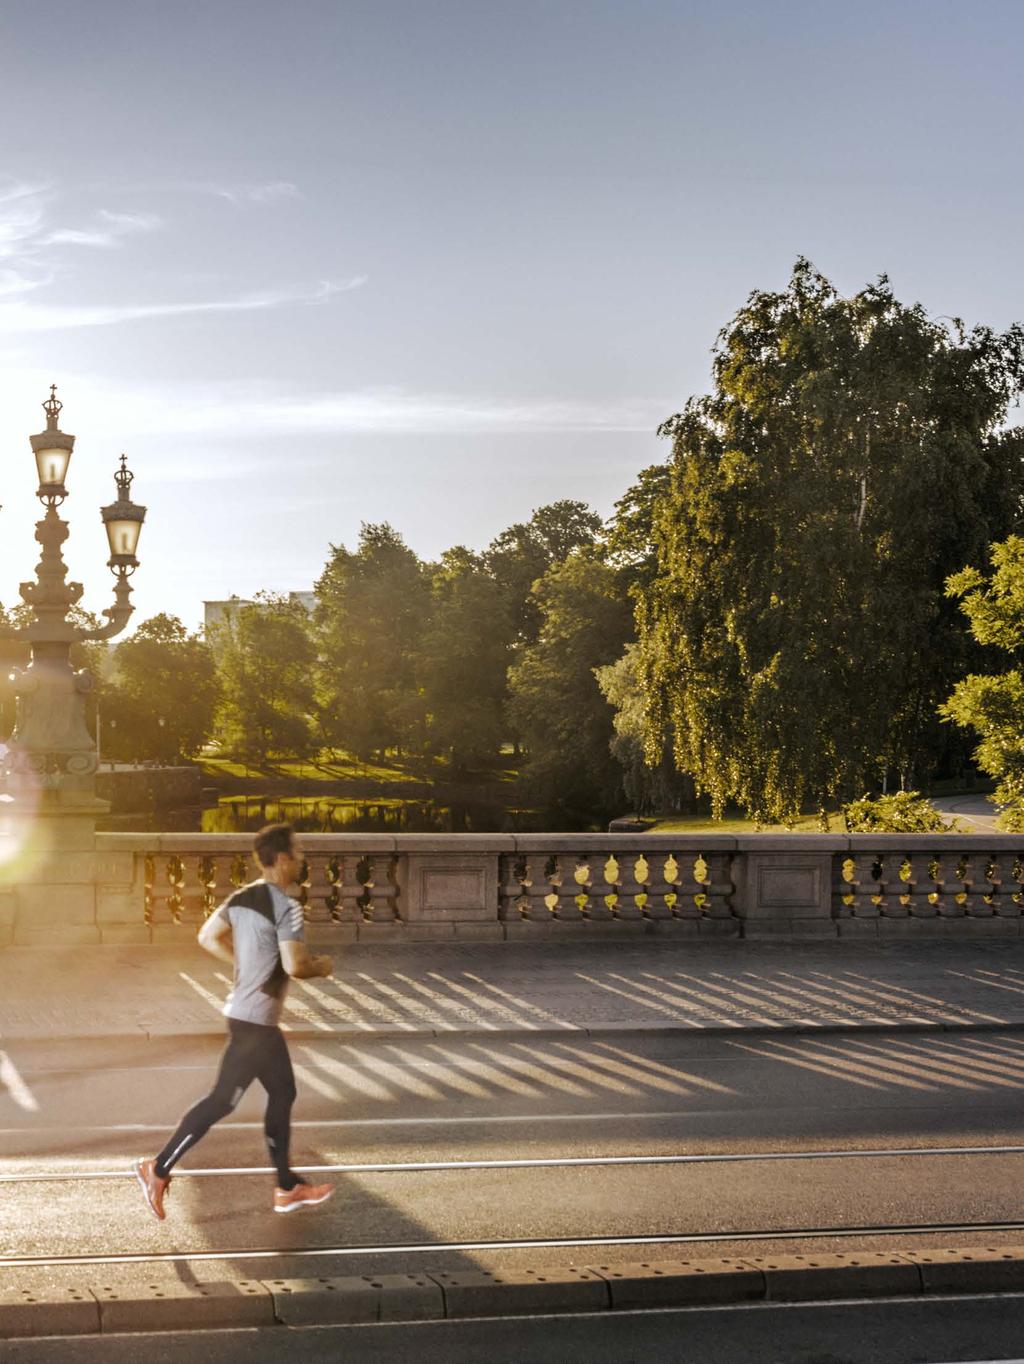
<point x="271" y="841"/>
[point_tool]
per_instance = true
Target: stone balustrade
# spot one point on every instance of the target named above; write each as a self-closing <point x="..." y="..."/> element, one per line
<point x="159" y="887"/>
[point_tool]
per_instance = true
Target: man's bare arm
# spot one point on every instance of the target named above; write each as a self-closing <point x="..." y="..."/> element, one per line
<point x="215" y="937"/>
<point x="300" y="963"/>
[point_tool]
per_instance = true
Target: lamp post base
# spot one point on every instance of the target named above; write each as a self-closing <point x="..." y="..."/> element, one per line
<point x="49" y="870"/>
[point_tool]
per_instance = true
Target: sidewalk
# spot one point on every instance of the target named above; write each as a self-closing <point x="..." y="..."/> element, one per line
<point x="384" y="991"/>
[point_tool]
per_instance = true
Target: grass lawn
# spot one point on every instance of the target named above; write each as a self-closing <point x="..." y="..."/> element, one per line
<point x="330" y="768"/>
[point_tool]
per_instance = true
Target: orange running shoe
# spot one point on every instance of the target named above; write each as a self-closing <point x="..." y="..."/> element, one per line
<point x="302" y="1196"/>
<point x="153" y="1187"/>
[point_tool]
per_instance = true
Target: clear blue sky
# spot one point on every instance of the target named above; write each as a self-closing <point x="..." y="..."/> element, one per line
<point x="438" y="263"/>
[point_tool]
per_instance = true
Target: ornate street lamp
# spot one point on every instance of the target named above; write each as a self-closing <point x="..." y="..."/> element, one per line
<point x="51" y="747"/>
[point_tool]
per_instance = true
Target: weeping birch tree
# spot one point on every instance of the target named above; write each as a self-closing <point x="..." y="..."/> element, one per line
<point x="795" y="641"/>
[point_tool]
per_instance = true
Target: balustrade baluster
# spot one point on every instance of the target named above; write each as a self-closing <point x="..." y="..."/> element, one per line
<point x="350" y="890"/>
<point x="382" y="908"/>
<point x="1005" y="885"/>
<point x="977" y="886"/>
<point x="222" y="884"/>
<point x="538" y="888"/>
<point x="174" y="872"/>
<point x="950" y="887"/>
<point x="151" y="911"/>
<point x="608" y="876"/>
<point x="593" y="886"/>
<point x="921" y="886"/>
<point x="568" y="889"/>
<point x="718" y="887"/>
<point x="658" y="886"/>
<point x="206" y="872"/>
<point x="319" y="889"/>
<point x="511" y="894"/>
<point x="683" y="875"/>
<point x="192" y="890"/>
<point x="629" y="887"/>
<point x="842" y="889"/>
<point x="892" y="887"/>
<point x="865" y="886"/>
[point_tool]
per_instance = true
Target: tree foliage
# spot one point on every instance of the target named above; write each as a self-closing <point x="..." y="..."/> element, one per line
<point x="372" y="605"/>
<point x="630" y="542"/>
<point x="265" y="659"/>
<point x="160" y="703"/>
<point x="464" y="655"/>
<point x="522" y="554"/>
<point x="795" y="640"/>
<point x="556" y="704"/>
<point x="992" y="705"/>
<point x="902" y="812"/>
<point x="650" y="789"/>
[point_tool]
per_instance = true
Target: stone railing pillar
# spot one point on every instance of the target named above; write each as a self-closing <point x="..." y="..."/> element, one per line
<point x="784" y="885"/>
<point x="449" y="885"/>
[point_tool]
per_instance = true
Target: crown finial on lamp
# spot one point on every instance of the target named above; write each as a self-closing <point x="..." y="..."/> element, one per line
<point x="52" y="408"/>
<point x="123" y="478"/>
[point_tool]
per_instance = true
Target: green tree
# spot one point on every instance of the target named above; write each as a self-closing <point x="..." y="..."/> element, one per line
<point x="160" y="703"/>
<point x="556" y="704"/>
<point x="372" y="606"/>
<point x="656" y="789"/>
<point x="795" y="641"/>
<point x="523" y="553"/>
<point x="992" y="705"/>
<point x="630" y="541"/>
<point x="265" y="659"/>
<point x="464" y="658"/>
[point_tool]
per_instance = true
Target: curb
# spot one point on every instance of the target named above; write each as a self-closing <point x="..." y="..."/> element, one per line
<point x="81" y="1310"/>
<point x="712" y="1031"/>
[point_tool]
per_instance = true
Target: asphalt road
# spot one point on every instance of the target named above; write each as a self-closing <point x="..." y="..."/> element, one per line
<point x="72" y="1117"/>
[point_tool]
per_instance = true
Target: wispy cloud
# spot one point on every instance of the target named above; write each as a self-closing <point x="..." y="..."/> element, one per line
<point x="35" y="317"/>
<point x="34" y="253"/>
<point x="397" y="410"/>
<point x="22" y="279"/>
<point x="215" y="413"/>
<point x="112" y="230"/>
<point x="259" y="192"/>
<point x="21" y="218"/>
<point x="30" y="255"/>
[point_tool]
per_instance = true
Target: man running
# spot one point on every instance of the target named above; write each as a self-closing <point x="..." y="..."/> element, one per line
<point x="258" y="929"/>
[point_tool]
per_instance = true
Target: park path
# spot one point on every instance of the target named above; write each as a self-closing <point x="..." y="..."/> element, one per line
<point x="977" y="814"/>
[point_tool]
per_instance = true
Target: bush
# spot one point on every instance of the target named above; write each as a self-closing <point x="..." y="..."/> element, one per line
<point x="905" y="812"/>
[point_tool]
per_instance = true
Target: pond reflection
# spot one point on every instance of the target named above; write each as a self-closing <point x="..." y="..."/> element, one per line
<point x="329" y="814"/>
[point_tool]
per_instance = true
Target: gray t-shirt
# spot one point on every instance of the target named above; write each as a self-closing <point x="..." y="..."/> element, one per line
<point x="261" y="916"/>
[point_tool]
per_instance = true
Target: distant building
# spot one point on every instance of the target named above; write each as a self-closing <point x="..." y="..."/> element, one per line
<point x="216" y="612"/>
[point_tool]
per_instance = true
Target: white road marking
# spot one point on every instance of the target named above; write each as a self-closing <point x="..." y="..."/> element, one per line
<point x="434" y="1121"/>
<point x="15" y="1085"/>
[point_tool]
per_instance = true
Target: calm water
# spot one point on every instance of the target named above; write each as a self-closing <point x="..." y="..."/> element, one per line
<point x="237" y="814"/>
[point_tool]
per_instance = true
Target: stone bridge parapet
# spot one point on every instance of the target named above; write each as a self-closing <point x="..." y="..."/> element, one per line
<point x="159" y="887"/>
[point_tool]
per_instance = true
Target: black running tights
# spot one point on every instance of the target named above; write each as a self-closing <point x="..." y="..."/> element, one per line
<point x="254" y="1052"/>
